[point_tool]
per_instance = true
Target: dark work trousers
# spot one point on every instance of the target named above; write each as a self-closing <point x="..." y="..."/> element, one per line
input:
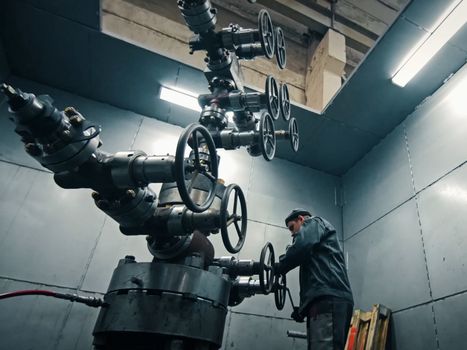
<point x="328" y="322"/>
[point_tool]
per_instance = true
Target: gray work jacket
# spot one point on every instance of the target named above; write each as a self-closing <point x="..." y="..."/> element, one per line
<point x="316" y="249"/>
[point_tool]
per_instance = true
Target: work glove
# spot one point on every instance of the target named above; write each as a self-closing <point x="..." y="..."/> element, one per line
<point x="296" y="315"/>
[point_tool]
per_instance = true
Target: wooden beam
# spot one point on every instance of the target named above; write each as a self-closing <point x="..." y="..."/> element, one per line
<point x="376" y="9"/>
<point x="156" y="33"/>
<point x="293" y="30"/>
<point x="326" y="66"/>
<point x="319" y="22"/>
<point x="362" y="20"/>
<point x="396" y="5"/>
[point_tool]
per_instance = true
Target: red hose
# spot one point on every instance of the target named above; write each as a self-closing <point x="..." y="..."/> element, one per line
<point x="27" y="292"/>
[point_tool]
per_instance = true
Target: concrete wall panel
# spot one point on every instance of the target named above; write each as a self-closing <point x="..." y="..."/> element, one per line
<point x="379" y="182"/>
<point x="413" y="329"/>
<point x="451" y="319"/>
<point x="436" y="132"/>
<point x="247" y="331"/>
<point x="386" y="263"/>
<point x="50" y="237"/>
<point x="442" y="214"/>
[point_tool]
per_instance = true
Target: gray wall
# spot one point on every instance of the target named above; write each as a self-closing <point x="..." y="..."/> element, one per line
<point x="56" y="239"/>
<point x="404" y="223"/>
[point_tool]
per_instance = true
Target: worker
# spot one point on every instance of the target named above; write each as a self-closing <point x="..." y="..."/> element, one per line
<point x="326" y="299"/>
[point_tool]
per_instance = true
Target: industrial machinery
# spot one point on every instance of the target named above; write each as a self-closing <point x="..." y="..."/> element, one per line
<point x="224" y="49"/>
<point x="179" y="300"/>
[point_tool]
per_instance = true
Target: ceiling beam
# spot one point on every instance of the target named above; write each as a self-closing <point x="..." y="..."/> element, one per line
<point x="376" y="9"/>
<point x="319" y="22"/>
<point x="352" y="16"/>
<point x="325" y="70"/>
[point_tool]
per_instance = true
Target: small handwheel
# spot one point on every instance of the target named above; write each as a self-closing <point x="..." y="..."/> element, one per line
<point x="293" y="134"/>
<point x="267" y="135"/>
<point x="280" y="291"/>
<point x="281" y="52"/>
<point x="266" y="33"/>
<point x="272" y="96"/>
<point x="266" y="268"/>
<point x="227" y="219"/>
<point x="187" y="170"/>
<point x="284" y="101"/>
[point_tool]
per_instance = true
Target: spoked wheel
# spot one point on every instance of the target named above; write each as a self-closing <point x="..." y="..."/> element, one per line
<point x="281" y="52"/>
<point x="187" y="170"/>
<point x="266" y="268"/>
<point x="266" y="33"/>
<point x="267" y="135"/>
<point x="284" y="101"/>
<point x="280" y="291"/>
<point x="272" y="96"/>
<point x="293" y="134"/>
<point x="232" y="218"/>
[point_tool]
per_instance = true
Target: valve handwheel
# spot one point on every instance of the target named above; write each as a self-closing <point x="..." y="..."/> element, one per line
<point x="267" y="135"/>
<point x="266" y="33"/>
<point x="284" y="101"/>
<point x="227" y="218"/>
<point x="293" y="134"/>
<point x="272" y="96"/>
<point x="281" y="52"/>
<point x="280" y="291"/>
<point x="266" y="268"/>
<point x="187" y="170"/>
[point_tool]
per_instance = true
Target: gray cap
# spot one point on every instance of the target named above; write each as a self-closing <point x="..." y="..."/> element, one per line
<point x="295" y="213"/>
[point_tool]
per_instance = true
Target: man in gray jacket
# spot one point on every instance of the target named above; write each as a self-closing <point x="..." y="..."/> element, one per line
<point x="325" y="296"/>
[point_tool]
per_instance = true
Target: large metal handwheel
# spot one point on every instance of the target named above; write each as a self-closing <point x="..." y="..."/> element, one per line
<point x="266" y="33"/>
<point x="228" y="218"/>
<point x="293" y="134"/>
<point x="281" y="52"/>
<point x="284" y="101"/>
<point x="187" y="170"/>
<point x="266" y="268"/>
<point x="267" y="135"/>
<point x="280" y="291"/>
<point x="272" y="96"/>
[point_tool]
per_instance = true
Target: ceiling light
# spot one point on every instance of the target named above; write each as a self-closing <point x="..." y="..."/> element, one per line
<point x="445" y="28"/>
<point x="180" y="97"/>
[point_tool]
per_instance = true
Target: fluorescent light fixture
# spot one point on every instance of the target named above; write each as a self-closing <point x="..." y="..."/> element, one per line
<point x="444" y="29"/>
<point x="180" y="97"/>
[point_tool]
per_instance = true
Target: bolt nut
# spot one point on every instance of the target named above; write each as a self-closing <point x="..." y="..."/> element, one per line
<point x="66" y="135"/>
<point x="103" y="204"/>
<point x="48" y="148"/>
<point x="76" y="120"/>
<point x="33" y="149"/>
<point x="150" y="198"/>
<point x="130" y="194"/>
<point x="70" y="111"/>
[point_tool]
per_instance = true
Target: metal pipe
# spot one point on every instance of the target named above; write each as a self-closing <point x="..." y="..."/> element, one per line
<point x="296" y="334"/>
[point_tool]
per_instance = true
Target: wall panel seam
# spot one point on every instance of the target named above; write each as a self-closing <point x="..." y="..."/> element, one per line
<point x="56" y="286"/>
<point x="445" y="297"/>
<point x="421" y="233"/>
<point x="43" y="170"/>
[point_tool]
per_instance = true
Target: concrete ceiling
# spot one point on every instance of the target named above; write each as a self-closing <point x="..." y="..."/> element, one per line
<point x="59" y="43"/>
